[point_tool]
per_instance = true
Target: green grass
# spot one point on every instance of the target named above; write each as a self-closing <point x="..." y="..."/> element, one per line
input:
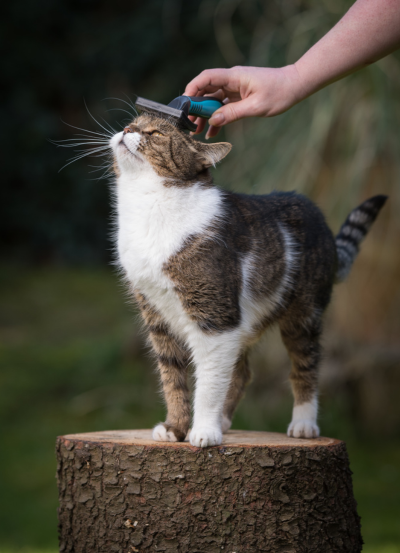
<point x="367" y="549"/>
<point x="72" y="360"/>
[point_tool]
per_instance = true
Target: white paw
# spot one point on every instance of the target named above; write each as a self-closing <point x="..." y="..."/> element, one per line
<point x="205" y="436"/>
<point x="160" y="434"/>
<point x="226" y="424"/>
<point x="303" y="428"/>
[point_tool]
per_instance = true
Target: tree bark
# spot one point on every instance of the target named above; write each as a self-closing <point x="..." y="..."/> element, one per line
<point x="259" y="491"/>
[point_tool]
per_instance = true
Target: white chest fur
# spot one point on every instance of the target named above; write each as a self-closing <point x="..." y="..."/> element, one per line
<point x="153" y="223"/>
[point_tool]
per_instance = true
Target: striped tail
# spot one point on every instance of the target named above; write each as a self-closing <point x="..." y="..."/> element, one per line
<point x="353" y="232"/>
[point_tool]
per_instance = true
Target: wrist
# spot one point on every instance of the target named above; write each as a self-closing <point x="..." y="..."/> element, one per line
<point x="299" y="87"/>
<point x="315" y="70"/>
<point x="281" y="88"/>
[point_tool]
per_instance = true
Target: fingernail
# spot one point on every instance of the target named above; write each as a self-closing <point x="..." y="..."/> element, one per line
<point x="217" y="119"/>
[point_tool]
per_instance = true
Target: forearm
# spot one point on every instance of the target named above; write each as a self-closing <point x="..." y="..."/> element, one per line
<point x="369" y="31"/>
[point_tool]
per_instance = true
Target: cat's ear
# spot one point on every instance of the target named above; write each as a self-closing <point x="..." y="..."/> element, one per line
<point x="211" y="154"/>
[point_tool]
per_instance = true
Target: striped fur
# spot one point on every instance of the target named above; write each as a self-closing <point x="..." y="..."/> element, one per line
<point x="173" y="361"/>
<point x="212" y="270"/>
<point x="353" y="232"/>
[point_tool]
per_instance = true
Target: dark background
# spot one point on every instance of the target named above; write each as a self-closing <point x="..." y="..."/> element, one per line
<point x="72" y="357"/>
<point x="67" y="53"/>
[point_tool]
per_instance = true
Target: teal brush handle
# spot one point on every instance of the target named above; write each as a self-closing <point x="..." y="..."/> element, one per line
<point x="203" y="106"/>
<point x="200" y="106"/>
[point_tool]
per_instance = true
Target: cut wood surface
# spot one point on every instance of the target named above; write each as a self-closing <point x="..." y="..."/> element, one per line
<point x="258" y="491"/>
<point x="233" y="437"/>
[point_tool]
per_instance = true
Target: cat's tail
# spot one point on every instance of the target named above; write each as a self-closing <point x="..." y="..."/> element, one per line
<point x="353" y="232"/>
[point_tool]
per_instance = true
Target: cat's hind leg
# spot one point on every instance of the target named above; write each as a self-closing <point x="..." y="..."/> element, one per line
<point x="301" y="338"/>
<point x="240" y="378"/>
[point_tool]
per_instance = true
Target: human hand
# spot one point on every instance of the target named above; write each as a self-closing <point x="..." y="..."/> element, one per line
<point x="369" y="31"/>
<point x="247" y="92"/>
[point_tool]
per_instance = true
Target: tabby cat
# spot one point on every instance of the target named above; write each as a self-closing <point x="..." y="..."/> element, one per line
<point x="211" y="270"/>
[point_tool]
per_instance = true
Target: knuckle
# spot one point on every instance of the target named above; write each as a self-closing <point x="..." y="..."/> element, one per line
<point x="233" y="112"/>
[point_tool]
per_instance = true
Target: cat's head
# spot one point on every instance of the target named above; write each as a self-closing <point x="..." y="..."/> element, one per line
<point x="152" y="143"/>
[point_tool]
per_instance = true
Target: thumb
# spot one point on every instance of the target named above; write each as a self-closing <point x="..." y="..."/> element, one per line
<point x="231" y="112"/>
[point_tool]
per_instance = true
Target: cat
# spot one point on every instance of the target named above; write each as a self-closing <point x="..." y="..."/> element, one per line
<point x="211" y="270"/>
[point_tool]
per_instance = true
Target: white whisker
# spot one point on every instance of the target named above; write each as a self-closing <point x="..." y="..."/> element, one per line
<point x="97" y="152"/>
<point x="127" y="103"/>
<point x="76" y="144"/>
<point x="94" y="119"/>
<point x="88" y="138"/>
<point x="109" y="135"/>
<point x="121" y="109"/>
<point x="131" y="104"/>
<point x="110" y="127"/>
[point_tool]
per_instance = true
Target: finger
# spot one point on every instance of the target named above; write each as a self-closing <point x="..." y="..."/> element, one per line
<point x="211" y="132"/>
<point x="219" y="94"/>
<point x="215" y="78"/>
<point x="232" y="112"/>
<point x="207" y="91"/>
<point x="201" y="123"/>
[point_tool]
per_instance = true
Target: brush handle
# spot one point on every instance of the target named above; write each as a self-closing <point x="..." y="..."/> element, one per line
<point x="203" y="106"/>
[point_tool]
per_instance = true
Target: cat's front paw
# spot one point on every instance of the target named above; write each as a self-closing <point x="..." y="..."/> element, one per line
<point x="205" y="436"/>
<point x="303" y="428"/>
<point x="161" y="434"/>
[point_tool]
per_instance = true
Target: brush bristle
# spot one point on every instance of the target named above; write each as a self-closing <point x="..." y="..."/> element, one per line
<point x="166" y="112"/>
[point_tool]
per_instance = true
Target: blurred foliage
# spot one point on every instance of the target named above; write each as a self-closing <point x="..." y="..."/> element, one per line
<point x="72" y="360"/>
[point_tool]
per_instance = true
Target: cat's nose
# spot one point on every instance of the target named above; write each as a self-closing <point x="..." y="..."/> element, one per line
<point x="132" y="128"/>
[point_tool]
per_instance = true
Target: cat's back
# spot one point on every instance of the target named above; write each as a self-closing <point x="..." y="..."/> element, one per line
<point x="284" y="231"/>
<point x="265" y="215"/>
<point x="289" y="208"/>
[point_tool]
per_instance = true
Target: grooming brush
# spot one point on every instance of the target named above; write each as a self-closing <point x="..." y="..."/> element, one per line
<point x="179" y="109"/>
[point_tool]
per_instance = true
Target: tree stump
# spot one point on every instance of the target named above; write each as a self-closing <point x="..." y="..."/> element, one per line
<point x="259" y="491"/>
